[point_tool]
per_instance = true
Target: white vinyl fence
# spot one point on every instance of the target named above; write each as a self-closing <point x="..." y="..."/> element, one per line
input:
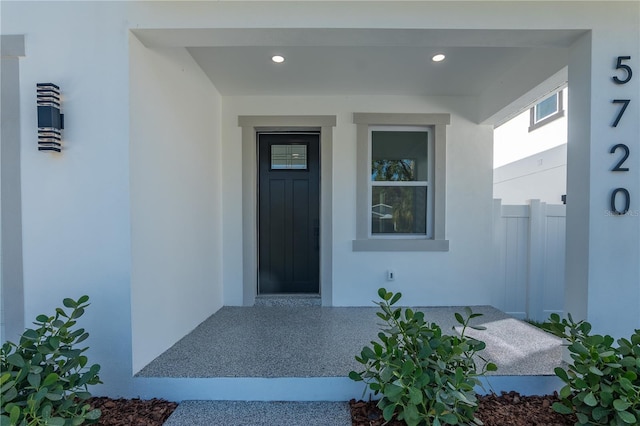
<point x="529" y="247"/>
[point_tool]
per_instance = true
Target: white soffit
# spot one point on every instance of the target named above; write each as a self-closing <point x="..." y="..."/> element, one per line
<point x="355" y="61"/>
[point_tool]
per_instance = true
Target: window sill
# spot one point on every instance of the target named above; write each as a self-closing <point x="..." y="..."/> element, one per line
<point x="400" y="245"/>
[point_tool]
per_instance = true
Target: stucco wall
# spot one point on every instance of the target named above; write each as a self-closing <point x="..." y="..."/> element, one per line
<point x="427" y="278"/>
<point x="542" y="176"/>
<point x="75" y="205"/>
<point x="176" y="212"/>
<point x="77" y="213"/>
<point x="513" y="141"/>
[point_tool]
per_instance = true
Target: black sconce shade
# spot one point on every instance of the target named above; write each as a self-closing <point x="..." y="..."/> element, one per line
<point x="50" y="120"/>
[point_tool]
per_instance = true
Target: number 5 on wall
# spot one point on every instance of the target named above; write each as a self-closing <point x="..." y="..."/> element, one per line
<point x="626" y="68"/>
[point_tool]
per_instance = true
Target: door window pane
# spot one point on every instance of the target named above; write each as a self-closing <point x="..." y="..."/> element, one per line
<point x="399" y="210"/>
<point x="289" y="157"/>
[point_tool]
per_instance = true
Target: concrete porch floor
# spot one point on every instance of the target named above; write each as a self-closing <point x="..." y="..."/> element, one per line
<point x="280" y="352"/>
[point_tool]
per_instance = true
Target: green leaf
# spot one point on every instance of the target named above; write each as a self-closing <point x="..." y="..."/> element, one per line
<point x="382" y="292"/>
<point x="596" y="371"/>
<point x="582" y="418"/>
<point x="9" y="395"/>
<point x="491" y="367"/>
<point x="411" y="415"/>
<point x="46" y="411"/>
<point x="408" y="367"/>
<point x="69" y="303"/>
<point x="14" y="414"/>
<point x="82" y="338"/>
<point x="459" y="318"/>
<point x="77" y="313"/>
<point x="367" y="353"/>
<point x="600" y="413"/>
<point x="83" y="299"/>
<point x="388" y="411"/>
<point x="6" y="386"/>
<point x="355" y="376"/>
<point x="42" y="318"/>
<point x="53" y="397"/>
<point x="387" y="373"/>
<point x="54" y="342"/>
<point x="450" y="418"/>
<point x="562" y="374"/>
<point x="621" y="405"/>
<point x="565" y="392"/>
<point x="56" y="421"/>
<point x="626" y="384"/>
<point x="606" y="398"/>
<point x="590" y="400"/>
<point x="627" y="417"/>
<point x="578" y="348"/>
<point x="395" y="298"/>
<point x="50" y="379"/>
<point x="34" y="380"/>
<point x="15" y="359"/>
<point x="93" y="415"/>
<point x="561" y="408"/>
<point x="415" y="396"/>
<point x="393" y="391"/>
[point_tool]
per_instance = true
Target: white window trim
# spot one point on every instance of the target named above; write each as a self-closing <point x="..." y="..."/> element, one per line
<point x="536" y="124"/>
<point x="429" y="213"/>
<point x="364" y="241"/>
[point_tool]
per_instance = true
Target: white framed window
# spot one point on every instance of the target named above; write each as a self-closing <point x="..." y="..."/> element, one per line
<point x="546" y="111"/>
<point x="401" y="170"/>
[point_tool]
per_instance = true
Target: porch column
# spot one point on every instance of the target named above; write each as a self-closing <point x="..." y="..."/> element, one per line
<point x="11" y="283"/>
<point x="603" y="246"/>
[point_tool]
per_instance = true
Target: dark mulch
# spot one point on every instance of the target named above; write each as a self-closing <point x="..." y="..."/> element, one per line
<point x="133" y="412"/>
<point x="507" y="409"/>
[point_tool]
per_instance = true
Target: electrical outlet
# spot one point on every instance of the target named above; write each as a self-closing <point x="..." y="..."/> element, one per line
<point x="391" y="275"/>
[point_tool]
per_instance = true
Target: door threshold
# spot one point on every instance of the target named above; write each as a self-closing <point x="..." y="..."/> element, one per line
<point x="288" y="299"/>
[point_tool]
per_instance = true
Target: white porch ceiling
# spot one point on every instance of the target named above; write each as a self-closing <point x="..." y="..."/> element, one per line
<point x="357" y="61"/>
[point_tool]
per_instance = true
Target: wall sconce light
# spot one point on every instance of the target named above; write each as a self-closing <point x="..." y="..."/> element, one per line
<point x="50" y="120"/>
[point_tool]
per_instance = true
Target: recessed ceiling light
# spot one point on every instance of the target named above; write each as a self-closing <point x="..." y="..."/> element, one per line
<point x="277" y="59"/>
<point x="438" y="58"/>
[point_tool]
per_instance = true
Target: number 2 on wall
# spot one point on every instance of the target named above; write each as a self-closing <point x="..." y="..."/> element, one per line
<point x="618" y="167"/>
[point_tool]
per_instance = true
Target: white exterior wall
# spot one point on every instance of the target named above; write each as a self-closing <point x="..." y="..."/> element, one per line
<point x="542" y="176"/>
<point x="603" y="272"/>
<point x="77" y="212"/>
<point x="531" y="164"/>
<point x="513" y="141"/>
<point x="427" y="278"/>
<point x="176" y="195"/>
<point x="76" y="225"/>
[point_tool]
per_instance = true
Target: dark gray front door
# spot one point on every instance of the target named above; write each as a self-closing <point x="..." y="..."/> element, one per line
<point x="289" y="213"/>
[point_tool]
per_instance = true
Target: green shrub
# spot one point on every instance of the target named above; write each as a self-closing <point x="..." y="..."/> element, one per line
<point x="43" y="379"/>
<point x="425" y="376"/>
<point x="603" y="384"/>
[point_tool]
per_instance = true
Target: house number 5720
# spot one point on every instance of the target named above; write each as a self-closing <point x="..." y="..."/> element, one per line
<point x="620" y="197"/>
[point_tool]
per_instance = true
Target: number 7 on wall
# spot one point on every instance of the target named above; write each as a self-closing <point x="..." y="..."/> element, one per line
<point x="625" y="104"/>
